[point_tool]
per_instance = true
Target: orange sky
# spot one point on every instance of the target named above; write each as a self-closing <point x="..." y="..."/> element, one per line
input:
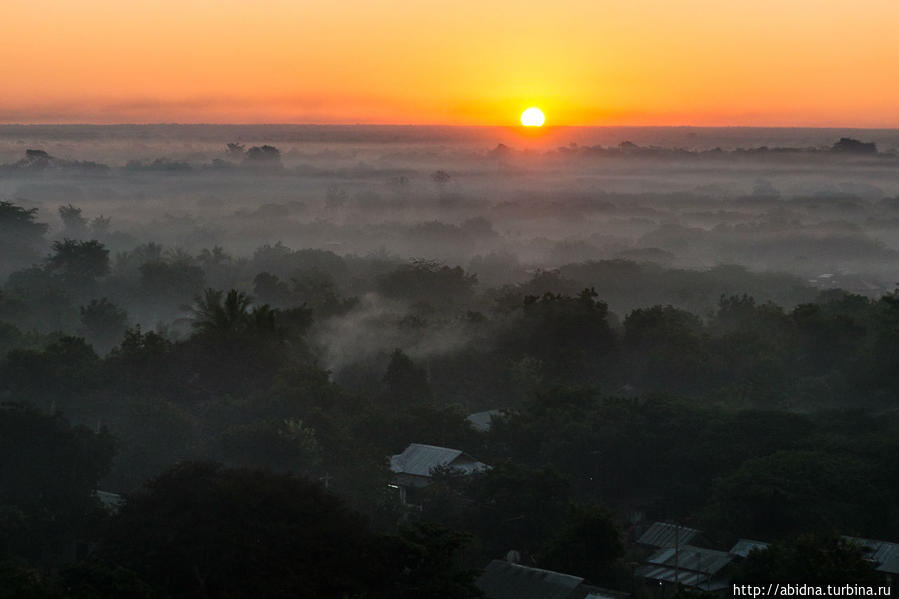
<point x="585" y="62"/>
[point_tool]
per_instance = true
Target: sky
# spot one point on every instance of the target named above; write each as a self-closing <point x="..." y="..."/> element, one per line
<point x="459" y="62"/>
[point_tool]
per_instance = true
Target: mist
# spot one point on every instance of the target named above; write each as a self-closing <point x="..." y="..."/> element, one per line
<point x="607" y="329"/>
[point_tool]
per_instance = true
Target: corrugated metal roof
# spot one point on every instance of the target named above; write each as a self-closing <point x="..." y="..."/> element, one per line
<point x="606" y="594"/>
<point x="481" y="421"/>
<point x="880" y="551"/>
<point x="662" y="534"/>
<point x="891" y="566"/>
<point x="419" y="460"/>
<point x="744" y="546"/>
<point x="505" y="580"/>
<point x="110" y="501"/>
<point x="689" y="558"/>
<point x="685" y="577"/>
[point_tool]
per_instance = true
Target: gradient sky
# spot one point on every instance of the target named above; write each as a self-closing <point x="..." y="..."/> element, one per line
<point x="584" y="62"/>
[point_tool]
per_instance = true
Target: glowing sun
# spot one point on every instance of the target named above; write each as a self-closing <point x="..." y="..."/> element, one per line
<point x="532" y="117"/>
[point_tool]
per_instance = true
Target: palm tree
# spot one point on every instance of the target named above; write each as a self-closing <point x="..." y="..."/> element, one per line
<point x="212" y="316"/>
<point x="218" y="315"/>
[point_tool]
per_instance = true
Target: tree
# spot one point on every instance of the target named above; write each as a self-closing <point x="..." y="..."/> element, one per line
<point x="100" y="225"/>
<point x="808" y="559"/>
<point x="49" y="471"/>
<point x="15" y="220"/>
<point x="278" y="445"/>
<point x="272" y="290"/>
<point x="72" y="220"/>
<point x="79" y="263"/>
<point x="405" y="383"/>
<point x="236" y="347"/>
<point x="39" y="301"/>
<point x="263" y="155"/>
<point x="172" y="281"/>
<point x="18" y="581"/>
<point x="428" y="565"/>
<point x="143" y="362"/>
<point x="793" y="492"/>
<point x="200" y="530"/>
<point x="440" y="177"/>
<point x="95" y="579"/>
<point x="64" y="369"/>
<point x="587" y="545"/>
<point x="21" y="237"/>
<point x="104" y="323"/>
<point x="220" y="315"/>
<point x="569" y="337"/>
<point x="664" y="346"/>
<point x="429" y="281"/>
<point x="507" y="507"/>
<point x="847" y="144"/>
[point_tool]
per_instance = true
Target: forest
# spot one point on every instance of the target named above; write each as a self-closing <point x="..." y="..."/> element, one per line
<point x="205" y="455"/>
<point x="191" y="419"/>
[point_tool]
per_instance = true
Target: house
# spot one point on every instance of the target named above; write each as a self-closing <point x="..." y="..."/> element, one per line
<point x="883" y="554"/>
<point x="481" y="421"/>
<point x="690" y="566"/>
<point x="666" y="534"/>
<point x="413" y="468"/>
<point x="111" y="502"/>
<point x="743" y="547"/>
<point x="505" y="580"/>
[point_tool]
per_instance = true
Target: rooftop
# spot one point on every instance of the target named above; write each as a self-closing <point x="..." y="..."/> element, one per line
<point x="744" y="547"/>
<point x="505" y="580"/>
<point x="664" y="534"/>
<point x="420" y="460"/>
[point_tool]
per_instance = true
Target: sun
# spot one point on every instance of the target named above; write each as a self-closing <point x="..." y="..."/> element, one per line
<point x="532" y="117"/>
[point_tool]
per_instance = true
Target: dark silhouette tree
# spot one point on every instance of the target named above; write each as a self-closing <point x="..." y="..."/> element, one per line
<point x="405" y="383"/>
<point x="200" y="530"/>
<point x="21" y="236"/>
<point x="63" y="370"/>
<point x="15" y="220"/>
<point x="49" y="471"/>
<point x="430" y="282"/>
<point x="440" y="177"/>
<point x="216" y="314"/>
<point x="263" y="155"/>
<point x="587" y="544"/>
<point x="104" y="323"/>
<point x="428" y="565"/>
<point x="171" y="281"/>
<point x="809" y="559"/>
<point x="847" y="144"/>
<point x="73" y="221"/>
<point x="79" y="263"/>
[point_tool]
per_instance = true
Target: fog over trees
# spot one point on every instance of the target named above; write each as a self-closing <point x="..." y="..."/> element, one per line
<point x="213" y="339"/>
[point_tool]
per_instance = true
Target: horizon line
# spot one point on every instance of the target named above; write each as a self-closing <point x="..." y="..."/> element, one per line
<point x="447" y="126"/>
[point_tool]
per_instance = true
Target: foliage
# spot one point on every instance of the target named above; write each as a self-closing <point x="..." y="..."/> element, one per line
<point x="201" y="530"/>
<point x="430" y="282"/>
<point x="49" y="471"/>
<point x="809" y="559"/>
<point x="104" y="323"/>
<point x="405" y="383"/>
<point x="586" y="545"/>
<point x="21" y="236"/>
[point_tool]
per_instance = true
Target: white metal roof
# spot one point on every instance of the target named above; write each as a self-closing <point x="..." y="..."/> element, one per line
<point x="420" y="460"/>
<point x="662" y="534"/>
<point x="879" y="551"/>
<point x="743" y="547"/>
<point x="689" y="558"/>
<point x="504" y="580"/>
